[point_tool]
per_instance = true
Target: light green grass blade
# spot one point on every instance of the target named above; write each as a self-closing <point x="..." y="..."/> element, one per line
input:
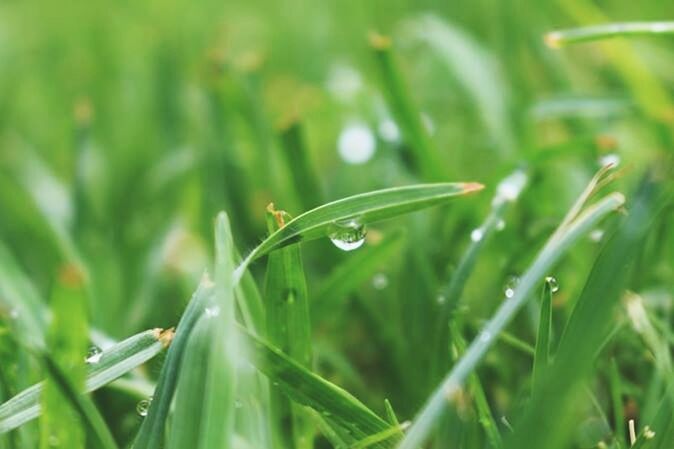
<point x="567" y="234"/>
<point x="296" y="155"/>
<point x="561" y="38"/>
<point x="542" y="355"/>
<point x="364" y="209"/>
<point x="617" y="404"/>
<point x="562" y="387"/>
<point x="113" y="363"/>
<point x="289" y="329"/>
<point x="309" y="389"/>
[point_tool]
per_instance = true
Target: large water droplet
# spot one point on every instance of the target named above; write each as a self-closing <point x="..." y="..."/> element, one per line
<point x="380" y="281"/>
<point x="510" y="286"/>
<point x="356" y="143"/>
<point x="143" y="406"/>
<point x="552" y="283"/>
<point x="609" y="159"/>
<point x="348" y="235"/>
<point x="14" y="314"/>
<point x="93" y="355"/>
<point x="477" y="234"/>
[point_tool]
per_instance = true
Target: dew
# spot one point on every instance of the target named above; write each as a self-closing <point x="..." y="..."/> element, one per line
<point x="356" y="143"/>
<point x="380" y="281"/>
<point x="348" y="235"/>
<point x="596" y="235"/>
<point x="143" y="406"/>
<point x="510" y="286"/>
<point x="612" y="159"/>
<point x="510" y="188"/>
<point x="500" y="224"/>
<point x="389" y="131"/>
<point x="344" y="82"/>
<point x="485" y="336"/>
<point x="552" y="283"/>
<point x="477" y="234"/>
<point x="212" y="311"/>
<point x="93" y="355"/>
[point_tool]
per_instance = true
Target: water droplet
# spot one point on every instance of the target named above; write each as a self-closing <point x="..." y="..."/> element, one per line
<point x="500" y="224"/>
<point x="485" y="336"/>
<point x="477" y="234"/>
<point x="212" y="311"/>
<point x="380" y="281"/>
<point x="389" y="131"/>
<point x="441" y="299"/>
<point x="93" y="355"/>
<point x="344" y="82"/>
<point x="609" y="159"/>
<point x="143" y="406"/>
<point x="348" y="235"/>
<point x="596" y="235"/>
<point x="552" y="283"/>
<point x="356" y="143"/>
<point x="510" y="188"/>
<point x="510" y="286"/>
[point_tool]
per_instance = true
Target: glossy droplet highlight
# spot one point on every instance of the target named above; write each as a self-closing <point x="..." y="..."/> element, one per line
<point x="477" y="234"/>
<point x="93" y="355"/>
<point x="356" y="143"/>
<point x="143" y="406"/>
<point x="510" y="286"/>
<point x="485" y="336"/>
<point x="596" y="235"/>
<point x="510" y="188"/>
<point x="380" y="281"/>
<point x="552" y="283"/>
<point x="348" y="235"/>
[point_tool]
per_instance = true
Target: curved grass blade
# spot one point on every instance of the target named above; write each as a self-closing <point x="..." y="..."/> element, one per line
<point x="567" y="234"/>
<point x="113" y="363"/>
<point x="561" y="38"/>
<point x="365" y="208"/>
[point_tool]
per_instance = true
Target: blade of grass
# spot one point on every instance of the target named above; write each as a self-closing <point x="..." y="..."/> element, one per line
<point x="113" y="363"/>
<point x="296" y="156"/>
<point x="288" y="328"/>
<point x="561" y="38"/>
<point x="617" y="405"/>
<point x="542" y="355"/>
<point x="556" y="246"/>
<point x="365" y="208"/>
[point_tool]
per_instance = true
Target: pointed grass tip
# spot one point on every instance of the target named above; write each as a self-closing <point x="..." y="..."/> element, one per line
<point x="553" y="39"/>
<point x="469" y="187"/>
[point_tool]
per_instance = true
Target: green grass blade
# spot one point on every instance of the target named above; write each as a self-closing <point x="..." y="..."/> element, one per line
<point x="296" y="155"/>
<point x="542" y="355"/>
<point x="309" y="389"/>
<point x="547" y="257"/>
<point x="561" y="38"/>
<point x="113" y="363"/>
<point x="617" y="404"/>
<point x="288" y="328"/>
<point x="365" y="208"/>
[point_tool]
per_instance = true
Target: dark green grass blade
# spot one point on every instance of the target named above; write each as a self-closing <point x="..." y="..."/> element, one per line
<point x="590" y="322"/>
<point x="306" y="388"/>
<point x="296" y="155"/>
<point x="542" y="354"/>
<point x="114" y="362"/>
<point x="560" y="38"/>
<point x="288" y="328"/>
<point x="617" y="404"/>
<point x="366" y="208"/>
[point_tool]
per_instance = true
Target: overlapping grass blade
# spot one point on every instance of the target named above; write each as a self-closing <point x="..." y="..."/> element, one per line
<point x="560" y="38"/>
<point x="113" y="363"/>
<point x="365" y="208"/>
<point x="542" y="355"/>
<point x="296" y="155"/>
<point x="617" y="404"/>
<point x="575" y="225"/>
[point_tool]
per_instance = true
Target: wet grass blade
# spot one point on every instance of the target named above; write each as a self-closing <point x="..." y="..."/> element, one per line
<point x="364" y="209"/>
<point x="567" y="234"/>
<point x="561" y="38"/>
<point x="542" y="355"/>
<point x="113" y="363"/>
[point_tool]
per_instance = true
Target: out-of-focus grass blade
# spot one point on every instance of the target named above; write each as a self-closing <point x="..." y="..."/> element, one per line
<point x="307" y="388"/>
<point x="151" y="431"/>
<point x="288" y="328"/>
<point x="560" y="38"/>
<point x="110" y="364"/>
<point x="296" y="155"/>
<point x="67" y="341"/>
<point x="641" y="323"/>
<point x="542" y="355"/>
<point x="220" y="382"/>
<point x="561" y="388"/>
<point x="575" y="225"/>
<point x="423" y="155"/>
<point x="356" y="270"/>
<point x="659" y="434"/>
<point x="363" y="209"/>
<point x="475" y="69"/>
<point x="617" y="404"/>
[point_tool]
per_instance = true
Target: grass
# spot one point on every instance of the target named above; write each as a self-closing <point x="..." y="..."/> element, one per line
<point x="187" y="261"/>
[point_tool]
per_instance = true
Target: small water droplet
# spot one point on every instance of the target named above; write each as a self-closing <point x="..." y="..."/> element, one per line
<point x="53" y="441"/>
<point x="510" y="286"/>
<point x="348" y="235"/>
<point x="510" y="188"/>
<point x="389" y="131"/>
<point x="477" y="234"/>
<point x="356" y="143"/>
<point x="552" y="283"/>
<point x="212" y="311"/>
<point x="485" y="336"/>
<point x="609" y="159"/>
<point x="441" y="299"/>
<point x="93" y="355"/>
<point x="143" y="406"/>
<point x="596" y="235"/>
<point x="500" y="224"/>
<point x="380" y="281"/>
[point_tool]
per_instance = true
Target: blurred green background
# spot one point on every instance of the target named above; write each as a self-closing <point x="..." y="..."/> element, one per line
<point x="126" y="126"/>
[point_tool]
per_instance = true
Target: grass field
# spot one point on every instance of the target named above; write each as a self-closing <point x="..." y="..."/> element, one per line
<point x="350" y="225"/>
